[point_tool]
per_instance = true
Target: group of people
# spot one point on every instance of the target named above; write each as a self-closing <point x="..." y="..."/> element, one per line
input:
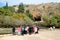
<point x="21" y="30"/>
<point x="52" y="28"/>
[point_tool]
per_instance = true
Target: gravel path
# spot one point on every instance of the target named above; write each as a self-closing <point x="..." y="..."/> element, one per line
<point x="43" y="35"/>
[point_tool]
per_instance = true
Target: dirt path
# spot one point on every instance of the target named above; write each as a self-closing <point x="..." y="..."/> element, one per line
<point x="43" y="35"/>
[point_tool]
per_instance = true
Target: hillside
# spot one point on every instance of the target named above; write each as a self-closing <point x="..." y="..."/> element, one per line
<point x="41" y="10"/>
<point x="44" y="9"/>
<point x="47" y="12"/>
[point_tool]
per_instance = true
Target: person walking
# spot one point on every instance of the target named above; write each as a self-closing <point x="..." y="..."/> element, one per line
<point x="22" y="30"/>
<point x="26" y="29"/>
<point x="19" y="30"/>
<point x="13" y="30"/>
<point x="35" y="30"/>
<point x="30" y="30"/>
<point x="53" y="27"/>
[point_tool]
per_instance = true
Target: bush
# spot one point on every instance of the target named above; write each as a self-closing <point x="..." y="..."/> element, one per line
<point x="54" y="20"/>
<point x="5" y="12"/>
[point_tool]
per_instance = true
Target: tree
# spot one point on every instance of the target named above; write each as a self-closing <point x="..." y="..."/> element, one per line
<point x="5" y="12"/>
<point x="57" y="17"/>
<point x="8" y="12"/>
<point x="54" y="20"/>
<point x="21" y="8"/>
<point x="11" y="9"/>
<point x="6" y="6"/>
<point x="46" y="21"/>
<point x="2" y="11"/>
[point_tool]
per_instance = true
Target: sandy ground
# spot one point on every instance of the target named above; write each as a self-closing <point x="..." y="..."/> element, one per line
<point x="43" y="35"/>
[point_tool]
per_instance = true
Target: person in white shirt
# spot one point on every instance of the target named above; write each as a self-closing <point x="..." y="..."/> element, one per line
<point x="35" y="29"/>
<point x="53" y="27"/>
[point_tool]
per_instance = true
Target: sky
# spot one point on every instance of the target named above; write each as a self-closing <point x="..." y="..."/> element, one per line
<point x="1" y="4"/>
<point x="16" y="2"/>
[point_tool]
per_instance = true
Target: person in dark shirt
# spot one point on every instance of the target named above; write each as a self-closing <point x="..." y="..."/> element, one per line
<point x="22" y="30"/>
<point x="30" y="30"/>
<point x="13" y="30"/>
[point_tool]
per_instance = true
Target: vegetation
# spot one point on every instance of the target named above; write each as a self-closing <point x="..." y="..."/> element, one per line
<point x="6" y="6"/>
<point x="21" y="8"/>
<point x="29" y="15"/>
<point x="8" y="17"/>
<point x="54" y="20"/>
<point x="5" y="12"/>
